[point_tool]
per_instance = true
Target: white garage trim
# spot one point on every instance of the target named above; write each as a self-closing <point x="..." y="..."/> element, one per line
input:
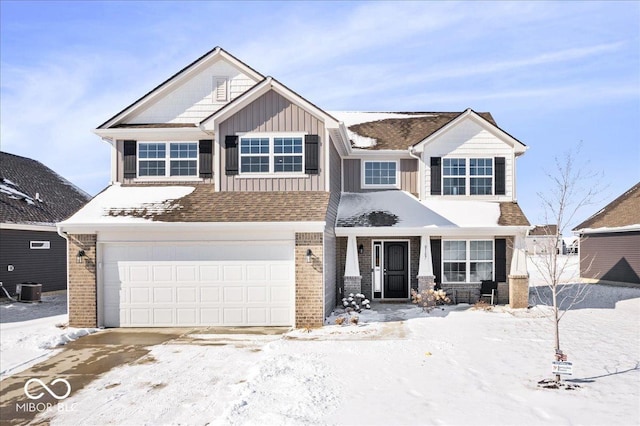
<point x="162" y="284"/>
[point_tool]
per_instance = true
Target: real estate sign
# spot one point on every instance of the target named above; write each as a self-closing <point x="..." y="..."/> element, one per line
<point x="562" y="368"/>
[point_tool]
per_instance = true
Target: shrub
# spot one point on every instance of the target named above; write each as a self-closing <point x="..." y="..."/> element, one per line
<point x="356" y="302"/>
<point x="429" y="299"/>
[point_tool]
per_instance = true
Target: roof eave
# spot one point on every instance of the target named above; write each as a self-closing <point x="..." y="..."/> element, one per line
<point x="152" y="133"/>
<point x="395" y="231"/>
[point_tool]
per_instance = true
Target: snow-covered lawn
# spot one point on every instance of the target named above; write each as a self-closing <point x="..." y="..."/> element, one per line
<point x="30" y="333"/>
<point x="452" y="366"/>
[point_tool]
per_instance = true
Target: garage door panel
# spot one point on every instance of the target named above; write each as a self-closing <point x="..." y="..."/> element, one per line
<point x="162" y="273"/>
<point x="198" y="284"/>
<point x="232" y="294"/>
<point x="163" y="316"/>
<point x="139" y="273"/>
<point x="186" y="295"/>
<point x="233" y="316"/>
<point x="163" y="295"/>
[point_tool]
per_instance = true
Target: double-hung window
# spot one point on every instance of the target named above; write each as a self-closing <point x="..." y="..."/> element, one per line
<point x="380" y="173"/>
<point x="458" y="174"/>
<point x="453" y="176"/>
<point x="271" y="154"/>
<point x="481" y="176"/>
<point x="467" y="261"/>
<point x="161" y="159"/>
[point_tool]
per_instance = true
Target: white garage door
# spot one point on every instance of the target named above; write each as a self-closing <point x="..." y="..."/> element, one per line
<point x="224" y="284"/>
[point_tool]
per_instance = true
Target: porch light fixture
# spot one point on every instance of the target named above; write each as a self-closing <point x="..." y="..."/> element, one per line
<point x="309" y="254"/>
<point x="80" y="255"/>
<point x="360" y="249"/>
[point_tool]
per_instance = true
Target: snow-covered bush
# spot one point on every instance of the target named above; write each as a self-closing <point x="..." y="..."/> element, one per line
<point x="356" y="302"/>
<point x="429" y="299"/>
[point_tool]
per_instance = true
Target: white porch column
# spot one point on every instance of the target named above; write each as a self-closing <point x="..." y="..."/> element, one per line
<point x="352" y="277"/>
<point x="426" y="279"/>
<point x="519" y="275"/>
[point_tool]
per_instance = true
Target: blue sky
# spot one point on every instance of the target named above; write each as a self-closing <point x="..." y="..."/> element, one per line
<point x="553" y="75"/>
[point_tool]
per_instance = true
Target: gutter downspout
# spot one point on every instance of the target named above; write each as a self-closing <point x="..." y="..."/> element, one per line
<point x="66" y="237"/>
<point x="420" y="169"/>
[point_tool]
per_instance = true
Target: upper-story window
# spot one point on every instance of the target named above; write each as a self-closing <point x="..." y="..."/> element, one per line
<point x="478" y="176"/>
<point x="167" y="159"/>
<point x="271" y="154"/>
<point x="380" y="173"/>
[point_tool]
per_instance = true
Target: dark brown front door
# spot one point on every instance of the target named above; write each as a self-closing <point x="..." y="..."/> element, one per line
<point x="396" y="271"/>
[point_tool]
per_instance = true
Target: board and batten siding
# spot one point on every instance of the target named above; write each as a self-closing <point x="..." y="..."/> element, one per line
<point x="611" y="256"/>
<point x="330" y="264"/>
<point x="42" y="266"/>
<point x="470" y="140"/>
<point x="353" y="175"/>
<point x="272" y="112"/>
<point x="195" y="99"/>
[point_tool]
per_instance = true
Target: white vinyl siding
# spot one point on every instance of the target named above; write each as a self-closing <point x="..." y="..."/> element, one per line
<point x="470" y="140"/>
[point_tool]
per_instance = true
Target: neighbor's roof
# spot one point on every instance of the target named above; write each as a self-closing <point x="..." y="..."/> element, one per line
<point x="399" y="209"/>
<point x="33" y="194"/>
<point x="395" y="130"/>
<point x="542" y="230"/>
<point x="121" y="204"/>
<point x="623" y="212"/>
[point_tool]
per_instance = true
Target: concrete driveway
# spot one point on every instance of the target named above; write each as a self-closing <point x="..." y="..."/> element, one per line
<point x="85" y="359"/>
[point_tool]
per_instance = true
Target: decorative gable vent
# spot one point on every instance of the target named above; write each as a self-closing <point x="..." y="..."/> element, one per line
<point x="221" y="89"/>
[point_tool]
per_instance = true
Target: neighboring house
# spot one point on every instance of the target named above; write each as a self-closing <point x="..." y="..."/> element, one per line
<point x="33" y="198"/>
<point x="542" y="239"/>
<point x="570" y="245"/>
<point x="610" y="241"/>
<point x="235" y="201"/>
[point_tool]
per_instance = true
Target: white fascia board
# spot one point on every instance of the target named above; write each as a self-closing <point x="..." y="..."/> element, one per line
<point x="28" y="227"/>
<point x="154" y="134"/>
<point x="93" y="228"/>
<point x="178" y="79"/>
<point x="260" y="89"/>
<point x="380" y="153"/>
<point x="470" y="114"/>
<point x="605" y="230"/>
<point x="445" y="232"/>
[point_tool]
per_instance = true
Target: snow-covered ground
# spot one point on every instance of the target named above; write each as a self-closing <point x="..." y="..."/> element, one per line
<point x="456" y="365"/>
<point x="30" y="333"/>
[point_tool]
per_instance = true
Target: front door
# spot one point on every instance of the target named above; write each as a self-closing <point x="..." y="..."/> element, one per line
<point x="396" y="270"/>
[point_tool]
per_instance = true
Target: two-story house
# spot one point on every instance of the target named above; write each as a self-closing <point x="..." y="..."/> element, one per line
<point x="234" y="201"/>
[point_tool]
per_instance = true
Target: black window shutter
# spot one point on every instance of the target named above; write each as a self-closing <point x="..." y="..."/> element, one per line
<point x="500" y="176"/>
<point x="231" y="154"/>
<point x="205" y="151"/>
<point x="436" y="175"/>
<point x="130" y="166"/>
<point x="436" y="257"/>
<point x="501" y="260"/>
<point x="311" y="154"/>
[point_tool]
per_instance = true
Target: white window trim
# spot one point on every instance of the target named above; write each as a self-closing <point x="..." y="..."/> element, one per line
<point x="271" y="173"/>
<point x="468" y="259"/>
<point x="363" y="185"/>
<point x="167" y="166"/>
<point x="39" y="245"/>
<point x="467" y="176"/>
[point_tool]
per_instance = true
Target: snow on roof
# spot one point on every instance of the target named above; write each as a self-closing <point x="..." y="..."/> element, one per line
<point x="351" y="118"/>
<point x="120" y="204"/>
<point x="400" y="209"/>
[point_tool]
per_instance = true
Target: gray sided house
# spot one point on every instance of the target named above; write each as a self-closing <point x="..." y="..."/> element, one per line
<point x="610" y="241"/>
<point x="236" y="202"/>
<point x="33" y="198"/>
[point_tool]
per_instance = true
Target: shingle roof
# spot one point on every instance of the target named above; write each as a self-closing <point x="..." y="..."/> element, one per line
<point x="544" y="230"/>
<point x="623" y="211"/>
<point x="400" y="133"/>
<point x="511" y="215"/>
<point x="204" y="204"/>
<point x="31" y="193"/>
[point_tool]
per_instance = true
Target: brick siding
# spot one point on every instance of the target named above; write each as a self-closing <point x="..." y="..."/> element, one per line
<point x="82" y="282"/>
<point x="309" y="283"/>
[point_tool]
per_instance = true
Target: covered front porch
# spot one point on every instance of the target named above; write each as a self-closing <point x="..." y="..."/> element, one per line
<point x="389" y="243"/>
